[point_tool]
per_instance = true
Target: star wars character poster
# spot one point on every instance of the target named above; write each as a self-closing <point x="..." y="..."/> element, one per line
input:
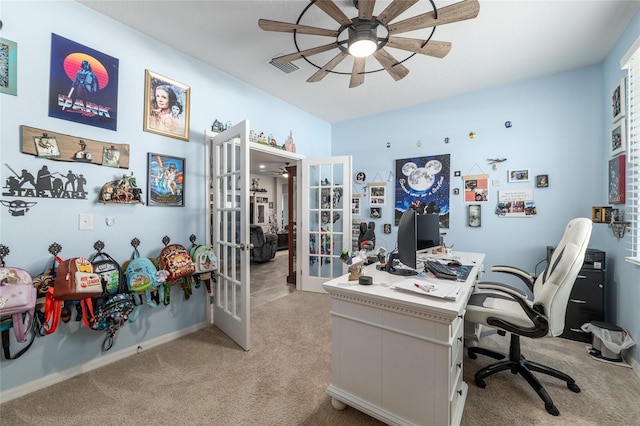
<point x="422" y="184"/>
<point x="83" y="84"/>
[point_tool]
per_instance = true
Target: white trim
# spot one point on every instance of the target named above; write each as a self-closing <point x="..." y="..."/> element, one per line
<point x="634" y="260"/>
<point x="76" y="370"/>
<point x="624" y="62"/>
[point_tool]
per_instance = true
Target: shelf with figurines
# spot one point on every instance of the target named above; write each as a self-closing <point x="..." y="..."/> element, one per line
<point x="121" y="191"/>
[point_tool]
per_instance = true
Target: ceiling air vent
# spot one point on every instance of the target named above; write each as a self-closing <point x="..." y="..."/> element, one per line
<point x="284" y="67"/>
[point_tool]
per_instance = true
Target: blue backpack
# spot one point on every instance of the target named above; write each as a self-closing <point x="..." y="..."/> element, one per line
<point x="143" y="277"/>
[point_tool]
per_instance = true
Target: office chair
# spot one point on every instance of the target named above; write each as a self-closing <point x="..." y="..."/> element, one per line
<point x="509" y="310"/>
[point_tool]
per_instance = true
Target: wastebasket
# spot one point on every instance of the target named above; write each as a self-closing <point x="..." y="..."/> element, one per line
<point x="608" y="340"/>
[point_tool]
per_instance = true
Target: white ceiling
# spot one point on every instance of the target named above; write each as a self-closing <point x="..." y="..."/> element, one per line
<point x="509" y="41"/>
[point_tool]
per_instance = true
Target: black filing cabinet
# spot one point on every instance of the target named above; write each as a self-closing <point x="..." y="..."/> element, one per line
<point x="586" y="302"/>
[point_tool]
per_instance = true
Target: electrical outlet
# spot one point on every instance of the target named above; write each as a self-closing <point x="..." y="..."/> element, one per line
<point x="85" y="221"/>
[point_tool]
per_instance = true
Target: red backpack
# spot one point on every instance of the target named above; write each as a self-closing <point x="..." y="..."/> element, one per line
<point x="175" y="259"/>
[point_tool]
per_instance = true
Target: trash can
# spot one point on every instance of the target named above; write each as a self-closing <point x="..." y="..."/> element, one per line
<point x="608" y="340"/>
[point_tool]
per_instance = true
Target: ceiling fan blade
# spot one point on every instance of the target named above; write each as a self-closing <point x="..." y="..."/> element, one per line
<point x="309" y="52"/>
<point x="331" y="9"/>
<point x="437" y="49"/>
<point x="357" y="73"/>
<point x="466" y="9"/>
<point x="395" y="69"/>
<point x="395" y="9"/>
<point x="365" y="9"/>
<point x="285" y="27"/>
<point x="322" y="72"/>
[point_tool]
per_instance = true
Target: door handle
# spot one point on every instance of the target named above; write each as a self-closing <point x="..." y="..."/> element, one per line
<point x="244" y="247"/>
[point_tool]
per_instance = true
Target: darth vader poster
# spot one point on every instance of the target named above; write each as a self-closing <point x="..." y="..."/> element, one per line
<point x="83" y="84"/>
<point x="422" y="184"/>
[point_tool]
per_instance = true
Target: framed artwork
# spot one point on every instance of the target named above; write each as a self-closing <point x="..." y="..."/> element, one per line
<point x="618" y="142"/>
<point x="8" y="67"/>
<point x="387" y="228"/>
<point x="83" y="84"/>
<point x="475" y="215"/>
<point x="377" y="193"/>
<point x="360" y="177"/>
<point x="617" y="174"/>
<point x="542" y="181"/>
<point x="355" y="204"/>
<point x="375" y="213"/>
<point x="519" y="175"/>
<point x="618" y="101"/>
<point x="46" y="146"/>
<point x="166" y="106"/>
<point x="165" y="180"/>
<point x="110" y="156"/>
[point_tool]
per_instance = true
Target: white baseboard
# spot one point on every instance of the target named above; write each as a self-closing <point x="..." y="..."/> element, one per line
<point x="633" y="363"/>
<point x="54" y="378"/>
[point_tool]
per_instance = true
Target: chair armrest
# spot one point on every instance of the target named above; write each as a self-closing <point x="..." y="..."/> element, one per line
<point x="535" y="313"/>
<point x="525" y="276"/>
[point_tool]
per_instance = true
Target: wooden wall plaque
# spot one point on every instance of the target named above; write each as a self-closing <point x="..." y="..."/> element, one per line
<point x="70" y="145"/>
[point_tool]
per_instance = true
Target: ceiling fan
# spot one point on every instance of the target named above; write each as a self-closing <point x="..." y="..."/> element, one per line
<point x="366" y="35"/>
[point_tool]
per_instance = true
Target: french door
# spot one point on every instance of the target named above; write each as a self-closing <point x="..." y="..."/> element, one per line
<point x="228" y="230"/>
<point x="324" y="226"/>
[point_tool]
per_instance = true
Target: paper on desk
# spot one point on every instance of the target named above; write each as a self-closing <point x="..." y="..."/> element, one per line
<point x="424" y="287"/>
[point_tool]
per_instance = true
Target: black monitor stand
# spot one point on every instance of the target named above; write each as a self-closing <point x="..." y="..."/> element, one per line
<point x="397" y="271"/>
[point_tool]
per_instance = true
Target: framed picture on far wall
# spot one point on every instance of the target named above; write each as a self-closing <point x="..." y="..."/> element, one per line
<point x="165" y="180"/>
<point x="618" y="142"/>
<point x="617" y="175"/>
<point x="8" y="67"/>
<point x="618" y="101"/>
<point x="166" y="106"/>
<point x="519" y="175"/>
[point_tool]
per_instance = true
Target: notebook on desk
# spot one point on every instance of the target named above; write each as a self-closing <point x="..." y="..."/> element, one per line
<point x="439" y="289"/>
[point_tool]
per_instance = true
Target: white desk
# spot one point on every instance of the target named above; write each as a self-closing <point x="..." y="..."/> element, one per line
<point x="398" y="356"/>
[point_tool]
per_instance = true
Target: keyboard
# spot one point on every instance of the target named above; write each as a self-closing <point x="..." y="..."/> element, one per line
<point x="440" y="270"/>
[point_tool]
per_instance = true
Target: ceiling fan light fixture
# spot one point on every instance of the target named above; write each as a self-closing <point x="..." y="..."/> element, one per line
<point x="362" y="40"/>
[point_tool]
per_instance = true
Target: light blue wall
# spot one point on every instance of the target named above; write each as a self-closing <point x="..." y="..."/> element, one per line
<point x="214" y="95"/>
<point x="560" y="128"/>
<point x="624" y="280"/>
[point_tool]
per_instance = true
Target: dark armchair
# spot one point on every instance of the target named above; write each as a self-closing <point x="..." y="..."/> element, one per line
<point x="264" y="245"/>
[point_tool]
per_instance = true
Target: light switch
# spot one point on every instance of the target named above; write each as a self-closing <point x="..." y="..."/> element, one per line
<point x="85" y="221"/>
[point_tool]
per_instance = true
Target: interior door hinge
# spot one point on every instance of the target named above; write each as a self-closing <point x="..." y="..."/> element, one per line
<point x="212" y="299"/>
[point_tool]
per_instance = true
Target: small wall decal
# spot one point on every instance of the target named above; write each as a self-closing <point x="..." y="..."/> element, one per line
<point x="472" y="135"/>
<point x="18" y="207"/>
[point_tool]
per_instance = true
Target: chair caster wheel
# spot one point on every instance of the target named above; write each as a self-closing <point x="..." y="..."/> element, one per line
<point x="552" y="409"/>
<point x="573" y="387"/>
<point x="471" y="354"/>
<point x="480" y="383"/>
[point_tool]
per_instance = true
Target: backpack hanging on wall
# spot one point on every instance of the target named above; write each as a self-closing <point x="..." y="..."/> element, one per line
<point x="175" y="259"/>
<point x="74" y="280"/>
<point x="17" y="308"/>
<point x="205" y="262"/>
<point x="142" y="277"/>
<point x="110" y="271"/>
<point x="112" y="315"/>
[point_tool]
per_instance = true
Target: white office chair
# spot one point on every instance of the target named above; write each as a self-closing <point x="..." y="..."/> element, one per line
<point x="509" y="310"/>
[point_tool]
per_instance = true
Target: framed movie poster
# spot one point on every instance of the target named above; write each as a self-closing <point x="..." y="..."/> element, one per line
<point x="618" y="101"/>
<point x="83" y="84"/>
<point x="8" y="67"/>
<point x="166" y="106"/>
<point x="165" y="180"/>
<point x="618" y="142"/>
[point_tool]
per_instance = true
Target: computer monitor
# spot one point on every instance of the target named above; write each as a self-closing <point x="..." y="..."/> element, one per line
<point x="407" y="245"/>
<point x="428" y="231"/>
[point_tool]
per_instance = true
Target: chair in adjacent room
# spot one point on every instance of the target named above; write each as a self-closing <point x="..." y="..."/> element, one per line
<point x="264" y="245"/>
<point x="509" y="310"/>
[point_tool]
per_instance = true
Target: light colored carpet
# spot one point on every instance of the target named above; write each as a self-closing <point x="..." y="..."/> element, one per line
<point x="205" y="379"/>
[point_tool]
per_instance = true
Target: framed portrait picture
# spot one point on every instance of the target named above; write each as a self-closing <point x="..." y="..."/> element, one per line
<point x="8" y="67"/>
<point x="355" y="204"/>
<point x="542" y="181"/>
<point x="166" y="106"/>
<point x="165" y="180"/>
<point x="617" y="175"/>
<point x="360" y="177"/>
<point x="46" y="146"/>
<point x="475" y="216"/>
<point x="375" y="212"/>
<point x="618" y="142"/>
<point x="518" y="175"/>
<point x="618" y="101"/>
<point x="110" y="156"/>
